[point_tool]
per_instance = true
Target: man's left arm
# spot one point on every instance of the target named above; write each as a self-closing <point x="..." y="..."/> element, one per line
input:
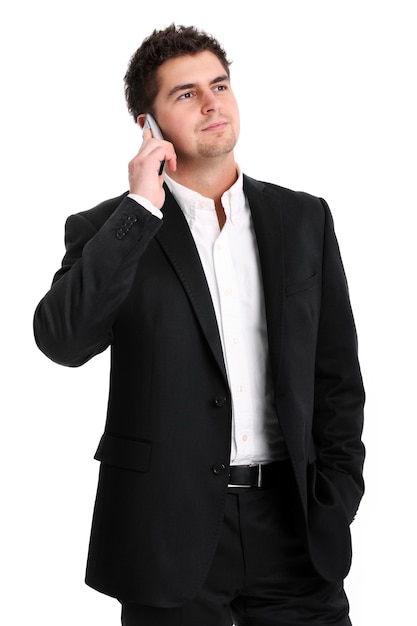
<point x="339" y="391"/>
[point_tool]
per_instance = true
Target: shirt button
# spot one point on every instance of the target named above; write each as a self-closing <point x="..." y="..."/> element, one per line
<point x="219" y="469"/>
<point x="220" y="401"/>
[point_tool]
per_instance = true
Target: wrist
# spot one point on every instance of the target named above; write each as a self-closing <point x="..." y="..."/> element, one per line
<point x="146" y="204"/>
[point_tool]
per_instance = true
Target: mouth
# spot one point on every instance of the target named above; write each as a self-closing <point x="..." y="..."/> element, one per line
<point x="215" y="127"/>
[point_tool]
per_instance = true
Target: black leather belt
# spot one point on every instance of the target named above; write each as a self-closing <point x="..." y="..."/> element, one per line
<point x="256" y="475"/>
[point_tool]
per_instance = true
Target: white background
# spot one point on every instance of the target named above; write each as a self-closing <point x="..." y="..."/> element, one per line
<point x="328" y="106"/>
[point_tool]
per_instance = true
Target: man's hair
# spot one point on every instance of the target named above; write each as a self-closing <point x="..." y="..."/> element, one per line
<point x="141" y="79"/>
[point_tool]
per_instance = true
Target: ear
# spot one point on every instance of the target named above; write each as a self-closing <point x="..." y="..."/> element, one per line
<point x="141" y="119"/>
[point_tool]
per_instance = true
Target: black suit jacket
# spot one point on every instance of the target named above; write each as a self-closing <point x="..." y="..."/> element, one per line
<point x="134" y="282"/>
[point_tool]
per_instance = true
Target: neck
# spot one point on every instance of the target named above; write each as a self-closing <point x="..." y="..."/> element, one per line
<point x="208" y="177"/>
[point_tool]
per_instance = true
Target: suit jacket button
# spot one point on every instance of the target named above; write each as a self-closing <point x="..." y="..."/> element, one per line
<point x="132" y="219"/>
<point x="220" y="401"/>
<point x="219" y="469"/>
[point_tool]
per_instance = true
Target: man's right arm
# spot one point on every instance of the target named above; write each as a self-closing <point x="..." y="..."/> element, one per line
<point x="73" y="321"/>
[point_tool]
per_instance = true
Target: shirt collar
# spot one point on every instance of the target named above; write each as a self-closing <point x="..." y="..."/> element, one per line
<point x="191" y="202"/>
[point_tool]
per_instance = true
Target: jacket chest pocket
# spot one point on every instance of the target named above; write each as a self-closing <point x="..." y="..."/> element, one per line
<point x="301" y="285"/>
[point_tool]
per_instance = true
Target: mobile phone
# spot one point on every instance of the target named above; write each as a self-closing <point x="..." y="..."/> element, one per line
<point x="156" y="133"/>
<point x="151" y="123"/>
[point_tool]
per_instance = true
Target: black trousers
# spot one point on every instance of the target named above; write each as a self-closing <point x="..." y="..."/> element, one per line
<point x="261" y="574"/>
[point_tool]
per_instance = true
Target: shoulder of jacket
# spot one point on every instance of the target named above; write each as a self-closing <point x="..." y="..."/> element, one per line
<point x="286" y="195"/>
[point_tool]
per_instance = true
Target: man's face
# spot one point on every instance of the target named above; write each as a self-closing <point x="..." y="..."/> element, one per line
<point x="196" y="108"/>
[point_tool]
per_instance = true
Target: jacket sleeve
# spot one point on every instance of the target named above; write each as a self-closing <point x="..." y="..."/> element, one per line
<point x="73" y="321"/>
<point x="339" y="392"/>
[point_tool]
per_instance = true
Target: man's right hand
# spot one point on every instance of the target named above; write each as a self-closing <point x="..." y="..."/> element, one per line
<point x="144" y="178"/>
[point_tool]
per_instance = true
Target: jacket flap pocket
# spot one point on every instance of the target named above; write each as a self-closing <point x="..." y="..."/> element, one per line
<point x="126" y="453"/>
<point x="302" y="285"/>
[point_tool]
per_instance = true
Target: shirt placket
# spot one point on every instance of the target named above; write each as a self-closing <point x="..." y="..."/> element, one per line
<point x="233" y="347"/>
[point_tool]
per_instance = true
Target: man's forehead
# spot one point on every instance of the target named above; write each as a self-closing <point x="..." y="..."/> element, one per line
<point x="190" y="70"/>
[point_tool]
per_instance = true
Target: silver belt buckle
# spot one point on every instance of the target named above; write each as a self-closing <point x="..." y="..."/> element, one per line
<point x="259" y="480"/>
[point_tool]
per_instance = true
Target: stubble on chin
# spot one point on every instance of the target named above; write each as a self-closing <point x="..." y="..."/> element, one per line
<point x="217" y="147"/>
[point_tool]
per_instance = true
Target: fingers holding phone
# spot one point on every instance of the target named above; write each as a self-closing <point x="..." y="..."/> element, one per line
<point x="146" y="168"/>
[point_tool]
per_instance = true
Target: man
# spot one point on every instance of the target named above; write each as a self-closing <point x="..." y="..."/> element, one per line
<point x="231" y="462"/>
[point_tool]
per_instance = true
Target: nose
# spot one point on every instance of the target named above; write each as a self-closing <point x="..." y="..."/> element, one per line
<point x="209" y="103"/>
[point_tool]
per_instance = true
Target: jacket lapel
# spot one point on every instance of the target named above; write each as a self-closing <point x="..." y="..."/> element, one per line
<point x="266" y="216"/>
<point x="178" y="244"/>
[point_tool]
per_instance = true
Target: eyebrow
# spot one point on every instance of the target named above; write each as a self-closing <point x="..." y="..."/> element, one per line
<point x="177" y="88"/>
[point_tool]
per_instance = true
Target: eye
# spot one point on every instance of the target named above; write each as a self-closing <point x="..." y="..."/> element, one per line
<point x="186" y="95"/>
<point x="220" y="88"/>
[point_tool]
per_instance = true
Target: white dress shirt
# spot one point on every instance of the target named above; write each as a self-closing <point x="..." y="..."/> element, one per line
<point x="231" y="264"/>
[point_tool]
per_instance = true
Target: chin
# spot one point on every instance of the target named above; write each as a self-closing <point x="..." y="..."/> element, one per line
<point x="217" y="148"/>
